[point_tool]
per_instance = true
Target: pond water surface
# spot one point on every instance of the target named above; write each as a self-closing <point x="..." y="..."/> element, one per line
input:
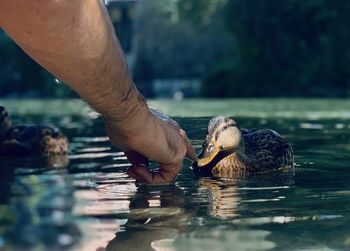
<point x="88" y="202"/>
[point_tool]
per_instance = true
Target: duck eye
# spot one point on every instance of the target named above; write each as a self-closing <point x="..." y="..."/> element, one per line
<point x="211" y="148"/>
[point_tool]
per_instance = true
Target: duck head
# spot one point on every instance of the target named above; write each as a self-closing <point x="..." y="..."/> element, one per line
<point x="224" y="138"/>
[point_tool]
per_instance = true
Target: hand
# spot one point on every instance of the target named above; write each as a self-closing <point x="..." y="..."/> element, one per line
<point x="157" y="137"/>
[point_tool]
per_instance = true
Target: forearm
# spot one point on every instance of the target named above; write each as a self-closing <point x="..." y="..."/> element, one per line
<point x="75" y="41"/>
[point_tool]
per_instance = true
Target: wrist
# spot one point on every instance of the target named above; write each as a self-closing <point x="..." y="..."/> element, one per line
<point x="130" y="115"/>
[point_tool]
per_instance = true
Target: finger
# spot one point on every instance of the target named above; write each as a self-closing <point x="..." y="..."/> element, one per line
<point x="167" y="173"/>
<point x="164" y="175"/>
<point x="134" y="174"/>
<point x="136" y="158"/>
<point x="191" y="153"/>
<point x="141" y="174"/>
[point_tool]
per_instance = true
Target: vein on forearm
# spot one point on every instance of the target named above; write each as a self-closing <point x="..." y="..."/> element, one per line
<point x="75" y="41"/>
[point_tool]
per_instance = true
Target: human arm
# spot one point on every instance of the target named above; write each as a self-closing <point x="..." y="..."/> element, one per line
<point x="75" y="41"/>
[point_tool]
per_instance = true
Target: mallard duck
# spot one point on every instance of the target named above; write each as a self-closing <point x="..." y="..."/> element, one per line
<point x="28" y="140"/>
<point x="231" y="151"/>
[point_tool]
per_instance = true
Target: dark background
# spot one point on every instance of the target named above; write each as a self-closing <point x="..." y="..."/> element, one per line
<point x="217" y="48"/>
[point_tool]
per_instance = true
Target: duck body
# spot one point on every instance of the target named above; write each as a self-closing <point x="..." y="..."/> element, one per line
<point x="30" y="140"/>
<point x="241" y="151"/>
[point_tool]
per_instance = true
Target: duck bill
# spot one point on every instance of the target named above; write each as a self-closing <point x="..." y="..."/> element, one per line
<point x="205" y="157"/>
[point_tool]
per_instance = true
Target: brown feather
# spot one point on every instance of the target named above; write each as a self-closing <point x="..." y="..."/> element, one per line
<point x="260" y="151"/>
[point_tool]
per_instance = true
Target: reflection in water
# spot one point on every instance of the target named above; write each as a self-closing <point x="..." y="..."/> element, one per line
<point x="223" y="197"/>
<point x="39" y="211"/>
<point x="156" y="238"/>
<point x="156" y="216"/>
<point x="88" y="202"/>
<point x="37" y="162"/>
<point x="221" y="239"/>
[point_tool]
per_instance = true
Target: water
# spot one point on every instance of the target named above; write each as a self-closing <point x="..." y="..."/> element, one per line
<point x="88" y="202"/>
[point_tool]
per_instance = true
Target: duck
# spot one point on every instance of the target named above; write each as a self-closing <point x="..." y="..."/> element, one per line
<point x="229" y="150"/>
<point x="30" y="140"/>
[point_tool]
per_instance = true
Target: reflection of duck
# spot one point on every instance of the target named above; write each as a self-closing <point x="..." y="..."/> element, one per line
<point x="223" y="197"/>
<point x="27" y="140"/>
<point x="231" y="151"/>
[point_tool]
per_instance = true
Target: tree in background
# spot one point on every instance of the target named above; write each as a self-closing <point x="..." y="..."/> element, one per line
<point x="286" y="48"/>
<point x="20" y="76"/>
<point x="236" y="47"/>
<point x="180" y="39"/>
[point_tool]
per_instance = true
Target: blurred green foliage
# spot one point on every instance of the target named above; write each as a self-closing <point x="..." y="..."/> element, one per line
<point x="247" y="47"/>
<point x="285" y="48"/>
<point x="21" y="76"/>
<point x="180" y="39"/>
<point x="237" y="48"/>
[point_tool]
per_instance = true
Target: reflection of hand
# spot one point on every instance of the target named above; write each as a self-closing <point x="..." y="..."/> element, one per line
<point x="156" y="137"/>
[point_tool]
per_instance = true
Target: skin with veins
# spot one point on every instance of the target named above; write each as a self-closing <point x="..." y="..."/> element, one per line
<point x="75" y="41"/>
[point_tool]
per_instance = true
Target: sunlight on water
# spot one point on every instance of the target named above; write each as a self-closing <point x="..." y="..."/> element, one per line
<point x="88" y="202"/>
<point x="313" y="109"/>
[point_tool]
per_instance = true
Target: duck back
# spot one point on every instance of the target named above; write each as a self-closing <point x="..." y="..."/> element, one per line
<point x="266" y="150"/>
